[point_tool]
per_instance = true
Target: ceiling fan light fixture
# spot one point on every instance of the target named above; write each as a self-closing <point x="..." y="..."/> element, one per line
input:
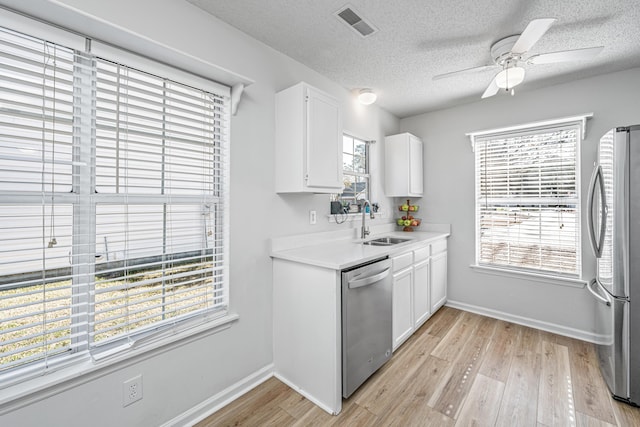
<point x="510" y="77"/>
<point x="367" y="96"/>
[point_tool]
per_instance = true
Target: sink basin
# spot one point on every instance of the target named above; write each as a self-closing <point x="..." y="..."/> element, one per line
<point x="385" y="241"/>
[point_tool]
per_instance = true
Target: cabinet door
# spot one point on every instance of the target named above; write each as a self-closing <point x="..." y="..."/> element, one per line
<point x="421" y="293"/>
<point x="438" y="280"/>
<point x="402" y="310"/>
<point x="323" y="141"/>
<point x="415" y="166"/>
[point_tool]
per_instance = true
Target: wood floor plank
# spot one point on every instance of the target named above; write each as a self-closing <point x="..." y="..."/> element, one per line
<point x="626" y="415"/>
<point x="317" y="417"/>
<point x="450" y="346"/>
<point x="296" y="404"/>
<point x="356" y="416"/>
<point x="452" y="390"/>
<point x="502" y="346"/>
<point x="556" y="405"/>
<point x="257" y="403"/>
<point x="519" y="406"/>
<point x="414" y="412"/>
<point x="274" y="416"/>
<point x="584" y="420"/>
<point x="413" y="408"/>
<point x="428" y="379"/>
<point x="384" y="391"/>
<point x="484" y="326"/>
<point x="441" y="322"/>
<point x="529" y="341"/>
<point x="590" y="391"/>
<point x="482" y="403"/>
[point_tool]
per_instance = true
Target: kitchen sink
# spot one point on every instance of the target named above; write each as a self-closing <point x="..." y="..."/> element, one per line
<point x="385" y="241"/>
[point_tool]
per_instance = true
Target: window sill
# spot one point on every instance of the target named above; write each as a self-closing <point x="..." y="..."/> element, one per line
<point x="536" y="277"/>
<point x="32" y="390"/>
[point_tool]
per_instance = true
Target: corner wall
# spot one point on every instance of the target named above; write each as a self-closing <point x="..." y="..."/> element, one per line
<point x="450" y="192"/>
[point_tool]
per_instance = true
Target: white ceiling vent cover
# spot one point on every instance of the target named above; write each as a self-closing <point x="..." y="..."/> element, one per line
<point x="350" y="17"/>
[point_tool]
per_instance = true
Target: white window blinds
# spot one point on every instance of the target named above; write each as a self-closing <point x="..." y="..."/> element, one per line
<point x="112" y="213"/>
<point x="355" y="167"/>
<point x="159" y="162"/>
<point x="37" y="282"/>
<point x="527" y="199"/>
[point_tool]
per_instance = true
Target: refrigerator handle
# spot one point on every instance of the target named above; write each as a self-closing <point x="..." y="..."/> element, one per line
<point x="598" y="295"/>
<point x="597" y="179"/>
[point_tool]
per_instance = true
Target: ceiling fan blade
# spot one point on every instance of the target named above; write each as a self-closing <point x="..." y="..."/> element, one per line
<point x="491" y="90"/>
<point x="465" y="71"/>
<point x="565" y="55"/>
<point x="532" y="34"/>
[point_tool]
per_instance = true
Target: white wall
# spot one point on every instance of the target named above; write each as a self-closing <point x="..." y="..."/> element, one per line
<point x="449" y="189"/>
<point x="177" y="379"/>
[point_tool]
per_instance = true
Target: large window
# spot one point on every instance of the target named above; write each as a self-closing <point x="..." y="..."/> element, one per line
<point x="527" y="199"/>
<point x="112" y="213"/>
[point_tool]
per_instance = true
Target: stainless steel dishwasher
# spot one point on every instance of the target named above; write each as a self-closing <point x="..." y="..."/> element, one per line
<point x="366" y="322"/>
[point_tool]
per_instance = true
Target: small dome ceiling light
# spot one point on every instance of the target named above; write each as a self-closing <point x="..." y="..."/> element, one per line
<point x="367" y="96"/>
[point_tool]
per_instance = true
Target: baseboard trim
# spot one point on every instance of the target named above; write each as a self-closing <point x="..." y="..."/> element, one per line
<point x="526" y="321"/>
<point x="318" y="403"/>
<point x="216" y="402"/>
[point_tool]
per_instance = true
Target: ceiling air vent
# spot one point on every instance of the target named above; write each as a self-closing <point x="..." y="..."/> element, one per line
<point x="348" y="15"/>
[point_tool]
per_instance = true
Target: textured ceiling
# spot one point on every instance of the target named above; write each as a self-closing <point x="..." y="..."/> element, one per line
<point x="418" y="39"/>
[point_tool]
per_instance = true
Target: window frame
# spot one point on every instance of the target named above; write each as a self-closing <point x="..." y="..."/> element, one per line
<point x="576" y="123"/>
<point x="366" y="176"/>
<point x="81" y="361"/>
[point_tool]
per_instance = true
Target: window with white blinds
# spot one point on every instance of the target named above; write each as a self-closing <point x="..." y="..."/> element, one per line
<point x="527" y="200"/>
<point x="112" y="213"/>
<point x="355" y="170"/>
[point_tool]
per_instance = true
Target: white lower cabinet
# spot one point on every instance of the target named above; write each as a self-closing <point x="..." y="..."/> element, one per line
<point x="402" y="321"/>
<point x="438" y="278"/>
<point x="421" y="293"/>
<point x="419" y="288"/>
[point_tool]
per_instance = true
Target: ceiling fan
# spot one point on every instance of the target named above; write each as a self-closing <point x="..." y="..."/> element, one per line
<point x="510" y="53"/>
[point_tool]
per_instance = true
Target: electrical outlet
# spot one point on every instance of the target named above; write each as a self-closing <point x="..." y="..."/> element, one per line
<point x="132" y="390"/>
<point x="312" y="217"/>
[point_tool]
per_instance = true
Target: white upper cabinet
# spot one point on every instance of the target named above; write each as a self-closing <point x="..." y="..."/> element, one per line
<point x="403" y="166"/>
<point x="308" y="141"/>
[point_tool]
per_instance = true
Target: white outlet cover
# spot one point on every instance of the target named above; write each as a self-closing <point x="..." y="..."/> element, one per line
<point x="131" y="390"/>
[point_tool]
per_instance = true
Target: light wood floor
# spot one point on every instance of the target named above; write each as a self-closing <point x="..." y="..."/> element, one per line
<point x="459" y="369"/>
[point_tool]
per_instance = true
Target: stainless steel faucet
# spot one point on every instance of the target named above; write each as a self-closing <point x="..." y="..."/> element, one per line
<point x="364" y="230"/>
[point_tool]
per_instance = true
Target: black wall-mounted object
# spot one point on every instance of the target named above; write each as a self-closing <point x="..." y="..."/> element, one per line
<point x="336" y="208"/>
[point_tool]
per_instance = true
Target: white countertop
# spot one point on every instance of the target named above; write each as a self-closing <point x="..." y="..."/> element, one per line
<point x="339" y="254"/>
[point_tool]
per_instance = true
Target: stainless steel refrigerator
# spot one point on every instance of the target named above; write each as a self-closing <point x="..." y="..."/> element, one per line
<point x="613" y="210"/>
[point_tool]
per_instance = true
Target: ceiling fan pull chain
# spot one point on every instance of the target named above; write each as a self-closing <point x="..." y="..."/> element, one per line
<point x="507" y="71"/>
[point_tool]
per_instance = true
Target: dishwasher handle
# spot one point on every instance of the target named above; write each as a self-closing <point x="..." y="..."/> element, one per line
<point x="366" y="281"/>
